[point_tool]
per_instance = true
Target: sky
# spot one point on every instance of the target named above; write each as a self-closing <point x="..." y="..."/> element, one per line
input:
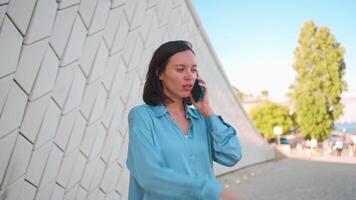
<point x="255" y="39"/>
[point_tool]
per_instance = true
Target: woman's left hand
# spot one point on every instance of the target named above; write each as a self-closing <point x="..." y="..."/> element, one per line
<point x="203" y="105"/>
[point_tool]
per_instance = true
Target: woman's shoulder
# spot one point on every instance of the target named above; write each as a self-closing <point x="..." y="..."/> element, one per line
<point x="140" y="113"/>
<point x="142" y="109"/>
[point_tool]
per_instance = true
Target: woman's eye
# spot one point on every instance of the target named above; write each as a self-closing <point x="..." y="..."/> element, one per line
<point x="194" y="70"/>
<point x="180" y="70"/>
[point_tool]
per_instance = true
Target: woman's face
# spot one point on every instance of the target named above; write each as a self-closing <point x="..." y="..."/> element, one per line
<point x="179" y="76"/>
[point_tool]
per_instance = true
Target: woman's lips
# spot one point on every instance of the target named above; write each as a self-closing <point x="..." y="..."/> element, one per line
<point x="188" y="87"/>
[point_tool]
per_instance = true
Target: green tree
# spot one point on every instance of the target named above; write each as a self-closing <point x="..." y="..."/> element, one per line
<point x="240" y="94"/>
<point x="315" y="93"/>
<point x="264" y="94"/>
<point x="268" y="115"/>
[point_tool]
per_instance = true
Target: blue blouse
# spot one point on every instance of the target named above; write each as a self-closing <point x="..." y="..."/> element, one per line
<point x="164" y="163"/>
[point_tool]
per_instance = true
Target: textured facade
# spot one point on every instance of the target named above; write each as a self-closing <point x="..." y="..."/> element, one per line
<point x="70" y="70"/>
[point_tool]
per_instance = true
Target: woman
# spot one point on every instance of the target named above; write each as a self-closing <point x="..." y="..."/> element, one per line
<point x="172" y="146"/>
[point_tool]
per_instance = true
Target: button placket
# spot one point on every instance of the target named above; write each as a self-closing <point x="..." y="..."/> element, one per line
<point x="190" y="141"/>
<point x="178" y="129"/>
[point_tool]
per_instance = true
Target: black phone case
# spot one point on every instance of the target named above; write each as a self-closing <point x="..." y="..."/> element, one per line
<point x="197" y="91"/>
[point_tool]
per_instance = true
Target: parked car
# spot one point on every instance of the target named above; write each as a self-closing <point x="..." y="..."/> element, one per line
<point x="282" y="140"/>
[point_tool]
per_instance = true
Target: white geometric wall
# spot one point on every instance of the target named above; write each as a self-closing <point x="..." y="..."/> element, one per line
<point x="70" y="70"/>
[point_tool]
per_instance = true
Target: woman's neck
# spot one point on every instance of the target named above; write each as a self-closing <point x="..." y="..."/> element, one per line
<point x="176" y="107"/>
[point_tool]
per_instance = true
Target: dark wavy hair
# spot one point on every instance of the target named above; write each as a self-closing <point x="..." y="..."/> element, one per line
<point x="153" y="91"/>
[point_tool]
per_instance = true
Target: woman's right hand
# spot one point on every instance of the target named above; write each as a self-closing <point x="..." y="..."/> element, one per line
<point x="228" y="195"/>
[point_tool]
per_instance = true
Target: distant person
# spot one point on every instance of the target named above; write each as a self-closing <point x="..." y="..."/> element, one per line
<point x="172" y="146"/>
<point x="313" y="145"/>
<point x="339" y="145"/>
<point x="327" y="148"/>
<point x="307" y="147"/>
<point x="354" y="143"/>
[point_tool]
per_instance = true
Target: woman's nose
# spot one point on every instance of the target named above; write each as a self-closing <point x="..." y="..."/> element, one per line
<point x="190" y="75"/>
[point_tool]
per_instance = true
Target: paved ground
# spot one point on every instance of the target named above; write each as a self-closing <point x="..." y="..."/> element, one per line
<point x="319" y="156"/>
<point x="294" y="179"/>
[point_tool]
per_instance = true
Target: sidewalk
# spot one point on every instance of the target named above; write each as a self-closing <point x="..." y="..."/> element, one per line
<point x="305" y="155"/>
<point x="293" y="179"/>
<point x="296" y="174"/>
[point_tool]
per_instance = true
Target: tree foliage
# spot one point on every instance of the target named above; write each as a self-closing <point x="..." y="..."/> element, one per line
<point x="268" y="115"/>
<point x="240" y="94"/>
<point x="315" y="93"/>
<point x="264" y="94"/>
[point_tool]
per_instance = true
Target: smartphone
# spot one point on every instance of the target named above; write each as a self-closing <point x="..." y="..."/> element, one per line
<point x="197" y="91"/>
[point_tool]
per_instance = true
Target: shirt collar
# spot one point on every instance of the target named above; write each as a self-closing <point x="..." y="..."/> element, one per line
<point x="161" y="109"/>
<point x="190" y="111"/>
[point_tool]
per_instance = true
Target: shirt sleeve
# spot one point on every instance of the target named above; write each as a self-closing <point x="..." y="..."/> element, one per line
<point x="147" y="166"/>
<point x="226" y="147"/>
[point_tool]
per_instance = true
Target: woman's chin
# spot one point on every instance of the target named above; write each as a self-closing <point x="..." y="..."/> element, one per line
<point x="186" y="96"/>
<point x="183" y="95"/>
<point x="186" y="93"/>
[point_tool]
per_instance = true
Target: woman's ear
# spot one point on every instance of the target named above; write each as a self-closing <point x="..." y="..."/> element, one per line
<point x="159" y="74"/>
